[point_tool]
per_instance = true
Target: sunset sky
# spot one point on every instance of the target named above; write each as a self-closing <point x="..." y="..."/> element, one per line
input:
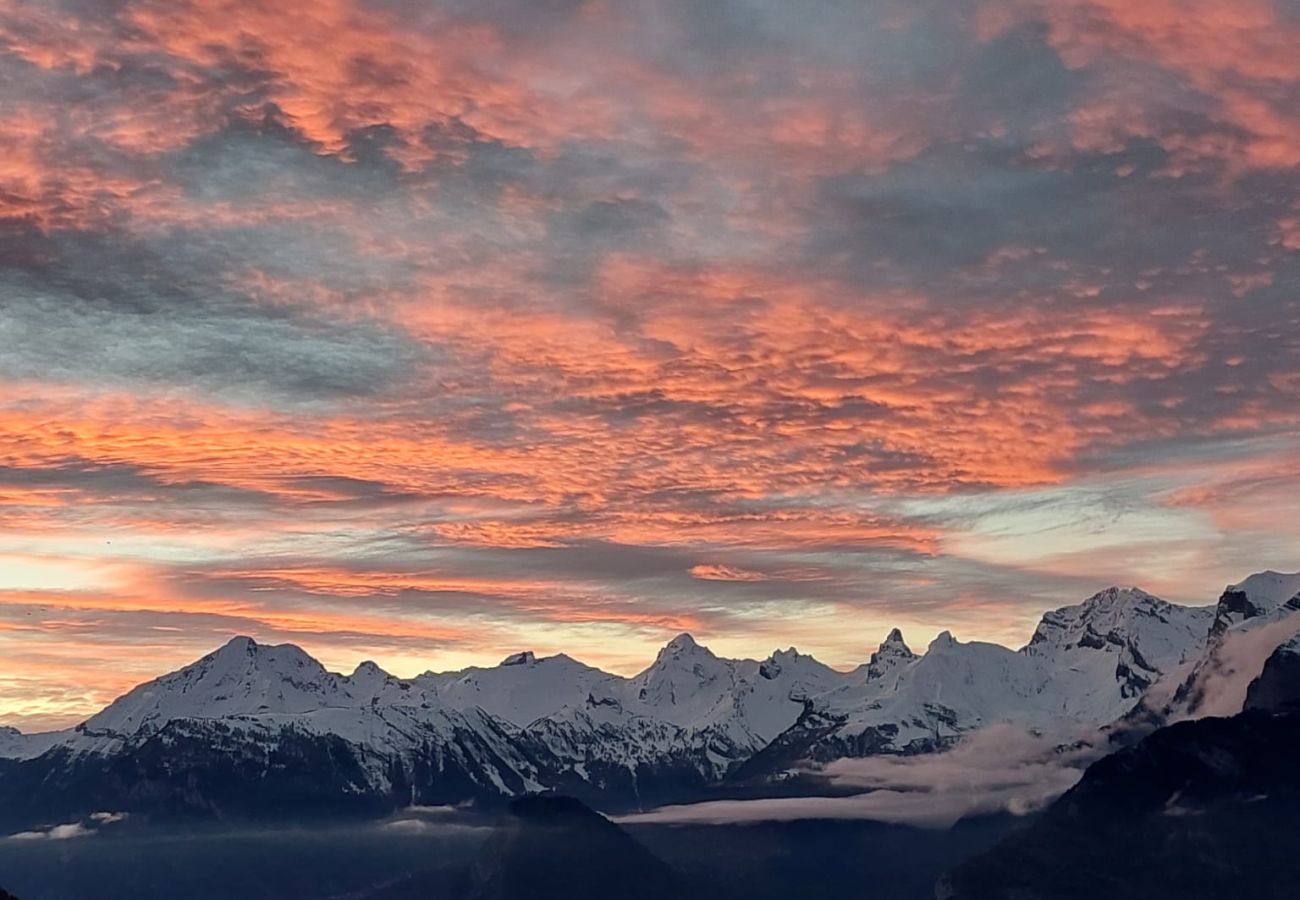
<point x="431" y="330"/>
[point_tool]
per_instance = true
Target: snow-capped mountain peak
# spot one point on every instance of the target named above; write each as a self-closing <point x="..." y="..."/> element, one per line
<point x="684" y="645"/>
<point x="944" y="640"/>
<point x="368" y="683"/>
<point x="1262" y="594"/>
<point x="242" y="677"/>
<point x="1118" y="617"/>
<point x="521" y="688"/>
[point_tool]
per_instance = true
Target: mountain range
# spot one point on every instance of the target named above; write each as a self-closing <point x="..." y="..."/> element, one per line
<point x="253" y="730"/>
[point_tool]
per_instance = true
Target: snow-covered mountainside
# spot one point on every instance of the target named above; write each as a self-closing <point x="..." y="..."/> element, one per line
<point x="252" y="727"/>
<point x="521" y="689"/>
<point x="241" y="678"/>
<point x="260" y="712"/>
<point x="1086" y="664"/>
<point x="689" y="714"/>
<point x="1102" y="654"/>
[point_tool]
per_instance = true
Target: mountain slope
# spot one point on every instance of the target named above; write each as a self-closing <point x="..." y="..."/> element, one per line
<point x="1193" y="810"/>
<point x="1197" y="809"/>
<point x="265" y="730"/>
<point x="1086" y="664"/>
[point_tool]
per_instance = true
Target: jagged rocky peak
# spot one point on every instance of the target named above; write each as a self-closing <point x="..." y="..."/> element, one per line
<point x="894" y="645"/>
<point x="892" y="653"/>
<point x="1262" y="594"/>
<point x="789" y="662"/>
<point x="1102" y="612"/>
<point x="680" y="674"/>
<point x="683" y="650"/>
<point x="524" y="658"/>
<point x="772" y="667"/>
<point x="1124" y="620"/>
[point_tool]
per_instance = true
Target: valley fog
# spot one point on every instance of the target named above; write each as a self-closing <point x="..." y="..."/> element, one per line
<point x="431" y="857"/>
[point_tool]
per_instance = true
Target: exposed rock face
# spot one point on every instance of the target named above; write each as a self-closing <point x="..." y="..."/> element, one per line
<point x="555" y="848"/>
<point x="1197" y="809"/>
<point x="892" y="654"/>
<point x="1277" y="689"/>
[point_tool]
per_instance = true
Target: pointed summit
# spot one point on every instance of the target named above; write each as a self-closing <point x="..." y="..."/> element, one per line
<point x="892" y="654"/>
<point x="683" y="648"/>
<point x="240" y="678"/>
<point x="683" y="643"/>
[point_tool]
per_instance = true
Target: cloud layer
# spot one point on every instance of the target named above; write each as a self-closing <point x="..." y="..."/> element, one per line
<point x="999" y="769"/>
<point x="421" y="330"/>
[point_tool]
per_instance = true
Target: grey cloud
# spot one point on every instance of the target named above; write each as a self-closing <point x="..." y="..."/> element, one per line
<point x="91" y="310"/>
<point x="101" y="482"/>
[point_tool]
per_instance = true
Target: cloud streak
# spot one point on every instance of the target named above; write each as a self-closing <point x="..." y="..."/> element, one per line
<point x="999" y="769"/>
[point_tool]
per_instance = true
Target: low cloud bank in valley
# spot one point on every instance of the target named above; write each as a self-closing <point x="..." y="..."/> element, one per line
<point x="1002" y="768"/>
<point x="1237" y="662"/>
<point x="70" y="830"/>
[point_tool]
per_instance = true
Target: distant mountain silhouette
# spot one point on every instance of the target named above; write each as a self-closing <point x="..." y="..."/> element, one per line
<point x="555" y="848"/>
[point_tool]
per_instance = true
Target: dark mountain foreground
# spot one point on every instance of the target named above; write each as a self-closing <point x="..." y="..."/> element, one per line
<point x="1205" y="809"/>
<point x="555" y="848"/>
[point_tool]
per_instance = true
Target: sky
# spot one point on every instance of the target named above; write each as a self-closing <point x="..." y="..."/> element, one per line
<point x="426" y="331"/>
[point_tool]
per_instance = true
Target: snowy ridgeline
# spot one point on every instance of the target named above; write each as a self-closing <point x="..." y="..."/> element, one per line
<point x="269" y="713"/>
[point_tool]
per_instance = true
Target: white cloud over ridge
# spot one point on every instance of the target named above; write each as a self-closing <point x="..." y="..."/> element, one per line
<point x="1001" y="768"/>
